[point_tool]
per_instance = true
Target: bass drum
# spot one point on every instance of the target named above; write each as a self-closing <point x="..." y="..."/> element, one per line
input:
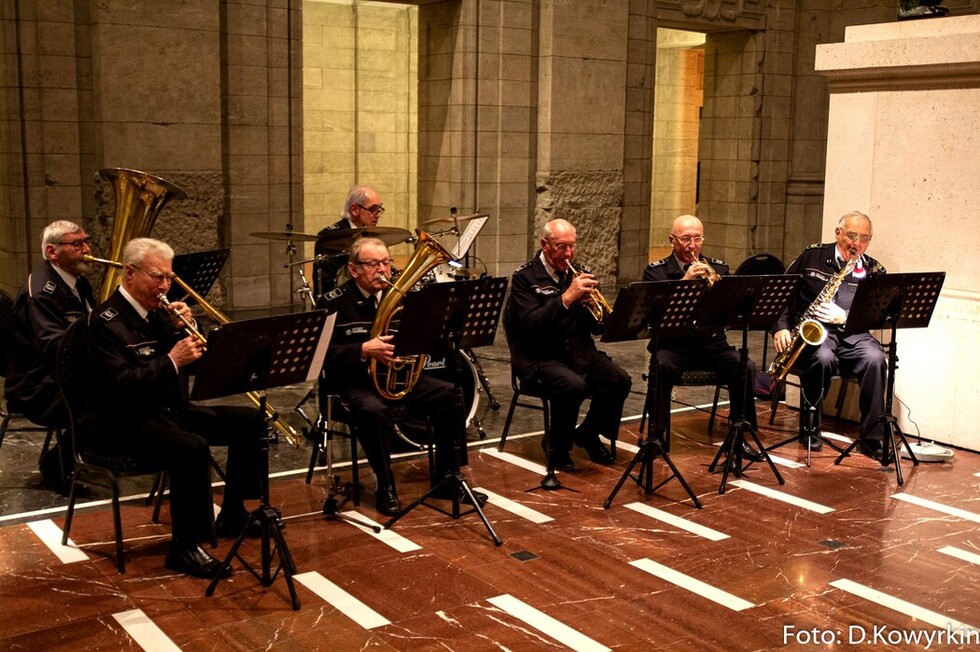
<point x="414" y="434"/>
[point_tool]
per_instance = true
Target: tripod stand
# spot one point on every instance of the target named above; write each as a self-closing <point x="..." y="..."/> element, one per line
<point x="641" y="310"/>
<point x="254" y="355"/>
<point x="746" y="302"/>
<point x="892" y="301"/>
<point x="440" y="319"/>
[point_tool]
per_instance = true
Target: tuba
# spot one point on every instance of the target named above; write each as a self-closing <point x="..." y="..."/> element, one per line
<point x="596" y="304"/>
<point x="396" y="380"/>
<point x="139" y="199"/>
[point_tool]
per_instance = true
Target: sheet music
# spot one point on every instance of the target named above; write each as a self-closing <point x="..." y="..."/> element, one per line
<point x="321" y="348"/>
<point x="462" y="246"/>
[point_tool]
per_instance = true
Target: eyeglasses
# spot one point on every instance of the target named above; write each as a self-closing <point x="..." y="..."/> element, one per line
<point x="374" y="264"/>
<point x="158" y="277"/>
<point x="854" y="237"/>
<point x="688" y="239"/>
<point x="374" y="210"/>
<point x="77" y="244"/>
<point x="562" y="246"/>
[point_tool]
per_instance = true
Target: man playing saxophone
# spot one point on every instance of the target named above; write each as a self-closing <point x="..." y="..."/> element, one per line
<point x="346" y="373"/>
<point x="140" y="355"/>
<point x="699" y="348"/>
<point x="857" y="354"/>
<point x="550" y="328"/>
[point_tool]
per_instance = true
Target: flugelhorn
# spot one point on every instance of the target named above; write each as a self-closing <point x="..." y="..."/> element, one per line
<point x="595" y="303"/>
<point x="280" y="424"/>
<point x="710" y="275"/>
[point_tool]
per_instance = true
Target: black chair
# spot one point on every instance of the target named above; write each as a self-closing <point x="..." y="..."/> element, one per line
<point x="335" y="422"/>
<point x="9" y="339"/>
<point x="92" y="466"/>
<point x="521" y="390"/>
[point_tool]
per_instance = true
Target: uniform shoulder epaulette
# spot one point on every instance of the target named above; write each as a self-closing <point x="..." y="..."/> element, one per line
<point x="658" y="263"/>
<point x="815" y="245"/>
<point x="878" y="268"/>
<point x="717" y="261"/>
<point x="524" y="266"/>
<point x="49" y="287"/>
<point x="108" y="314"/>
<point x="334" y="294"/>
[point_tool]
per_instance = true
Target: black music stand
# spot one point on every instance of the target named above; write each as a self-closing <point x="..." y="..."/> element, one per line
<point x="254" y="355"/>
<point x="893" y="301"/>
<point x="748" y="303"/>
<point x="199" y="270"/>
<point x="646" y="310"/>
<point x="437" y="320"/>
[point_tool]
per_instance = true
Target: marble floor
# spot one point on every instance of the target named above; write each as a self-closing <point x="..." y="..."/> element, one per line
<point x="840" y="556"/>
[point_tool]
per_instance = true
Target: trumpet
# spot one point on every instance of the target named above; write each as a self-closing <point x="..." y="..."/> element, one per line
<point x="710" y="275"/>
<point x="280" y="424"/>
<point x="189" y="327"/>
<point x="596" y="304"/>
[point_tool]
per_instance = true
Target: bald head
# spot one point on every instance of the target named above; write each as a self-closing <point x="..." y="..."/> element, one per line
<point x="686" y="237"/>
<point x="558" y="243"/>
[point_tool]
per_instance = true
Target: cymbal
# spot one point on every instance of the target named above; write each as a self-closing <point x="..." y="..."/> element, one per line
<point x="284" y="235"/>
<point x="459" y="218"/>
<point x="342" y="239"/>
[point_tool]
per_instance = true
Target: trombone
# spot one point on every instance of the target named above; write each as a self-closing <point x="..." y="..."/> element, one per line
<point x="278" y="422"/>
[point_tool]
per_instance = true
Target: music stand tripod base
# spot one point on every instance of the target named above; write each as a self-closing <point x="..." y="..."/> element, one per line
<point x="650" y="449"/>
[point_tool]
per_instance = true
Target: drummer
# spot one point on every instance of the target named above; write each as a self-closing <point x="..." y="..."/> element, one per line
<point x="363" y="208"/>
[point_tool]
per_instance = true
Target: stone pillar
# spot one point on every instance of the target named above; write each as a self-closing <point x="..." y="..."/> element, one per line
<point x="903" y="147"/>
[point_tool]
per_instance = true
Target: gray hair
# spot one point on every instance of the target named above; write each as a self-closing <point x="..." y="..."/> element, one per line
<point x="138" y="249"/>
<point x="853" y="214"/>
<point x="54" y="232"/>
<point x="356" y="195"/>
<point x="359" y="243"/>
<point x="548" y="230"/>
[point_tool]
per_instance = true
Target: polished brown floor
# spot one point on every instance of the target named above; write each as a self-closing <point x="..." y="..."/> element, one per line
<point x="588" y="578"/>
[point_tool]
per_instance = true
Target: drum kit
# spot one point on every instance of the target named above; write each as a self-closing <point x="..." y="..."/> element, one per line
<point x="333" y="245"/>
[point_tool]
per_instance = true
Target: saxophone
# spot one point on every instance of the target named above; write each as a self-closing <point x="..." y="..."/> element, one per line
<point x="809" y="330"/>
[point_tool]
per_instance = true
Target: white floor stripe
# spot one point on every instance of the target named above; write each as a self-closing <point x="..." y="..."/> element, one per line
<point x="977" y="474"/>
<point x="676" y="521"/>
<point x="50" y="535"/>
<point x="342" y="601"/>
<point x="621" y="445"/>
<point x="545" y="623"/>
<point x="695" y="586"/>
<point x="534" y="467"/>
<point x="939" y="507"/>
<point x="897" y="604"/>
<point x="144" y="631"/>
<point x="389" y="537"/>
<point x="784" y="497"/>
<point x="514" y="507"/>
<point x="835" y="436"/>
<point x="959" y="553"/>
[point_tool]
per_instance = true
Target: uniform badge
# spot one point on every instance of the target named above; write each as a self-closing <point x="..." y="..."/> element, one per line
<point x="49" y="287"/>
<point x="108" y="314"/>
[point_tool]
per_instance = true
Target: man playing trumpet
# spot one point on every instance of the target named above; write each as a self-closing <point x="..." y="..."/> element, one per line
<point x="550" y="334"/>
<point x="699" y="348"/>
<point x="140" y="354"/>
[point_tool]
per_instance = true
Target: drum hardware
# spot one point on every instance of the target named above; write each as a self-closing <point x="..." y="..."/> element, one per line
<point x="340" y="240"/>
<point x="284" y="235"/>
<point x="454" y="218"/>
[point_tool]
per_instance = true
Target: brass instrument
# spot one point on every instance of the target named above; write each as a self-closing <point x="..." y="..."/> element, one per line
<point x="596" y="304"/>
<point x="189" y="328"/>
<point x="139" y="199"/>
<point x="402" y="374"/>
<point x="280" y="424"/>
<point x="809" y="330"/>
<point x="710" y="275"/>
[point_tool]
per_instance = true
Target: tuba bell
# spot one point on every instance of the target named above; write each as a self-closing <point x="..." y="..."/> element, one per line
<point x="139" y="199"/>
<point x="396" y="380"/>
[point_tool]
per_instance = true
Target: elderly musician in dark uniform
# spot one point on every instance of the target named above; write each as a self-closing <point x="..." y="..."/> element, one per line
<point x="140" y="353"/>
<point x="698" y="348"/>
<point x="55" y="295"/>
<point x="346" y="373"/>
<point x="362" y="208"/>
<point x="550" y="335"/>
<point x="857" y="354"/>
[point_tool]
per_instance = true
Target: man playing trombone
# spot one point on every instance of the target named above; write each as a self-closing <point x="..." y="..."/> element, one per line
<point x="699" y="348"/>
<point x="140" y="352"/>
<point x="550" y="330"/>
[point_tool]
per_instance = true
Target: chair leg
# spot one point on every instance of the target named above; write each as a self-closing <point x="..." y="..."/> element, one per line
<point x="714" y="410"/>
<point x="117" y="524"/>
<point x="3" y="426"/>
<point x="841" y="397"/>
<point x="510" y="416"/>
<point x="161" y="484"/>
<point x="354" y="475"/>
<point x="313" y="456"/>
<point x="70" y="513"/>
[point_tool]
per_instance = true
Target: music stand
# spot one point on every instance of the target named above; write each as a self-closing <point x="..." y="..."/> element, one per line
<point x="199" y="270"/>
<point x="437" y="320"/>
<point x="892" y="301"/>
<point x="646" y="310"/>
<point x="254" y="355"/>
<point x="748" y="303"/>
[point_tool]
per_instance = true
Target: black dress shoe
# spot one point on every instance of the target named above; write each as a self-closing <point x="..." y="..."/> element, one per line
<point x="816" y="444"/>
<point x="194" y="561"/>
<point x="598" y="452"/>
<point x="386" y="501"/>
<point x="231" y="522"/>
<point x="872" y="448"/>
<point x="750" y="453"/>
